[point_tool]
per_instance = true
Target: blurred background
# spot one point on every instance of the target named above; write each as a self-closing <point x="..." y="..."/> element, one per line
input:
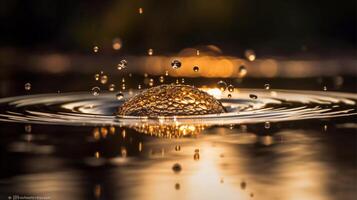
<point x="52" y="41"/>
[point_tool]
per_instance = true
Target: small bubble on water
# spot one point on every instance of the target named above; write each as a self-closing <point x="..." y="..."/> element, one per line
<point x="267" y="86"/>
<point x="196" y="69"/>
<point x="119" y="95"/>
<point x="176" y="168"/>
<point x="253" y="96"/>
<point x="162" y="79"/>
<point x="139" y="87"/>
<point x="111" y="87"/>
<point x="229" y="95"/>
<point x="95" y="91"/>
<point x="250" y="55"/>
<point x="96" y="77"/>
<point x="117" y="44"/>
<point x="182" y="80"/>
<point x="222" y="85"/>
<point x="230" y="88"/>
<point x="104" y="79"/>
<point x="166" y="73"/>
<point x="95" y="49"/>
<point x="242" y="71"/>
<point x="28" y="86"/>
<point x="267" y="125"/>
<point x="150" y="52"/>
<point x="325" y="88"/>
<point x="176" y="64"/>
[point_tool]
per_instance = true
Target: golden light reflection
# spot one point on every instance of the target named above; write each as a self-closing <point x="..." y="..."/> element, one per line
<point x="169" y="130"/>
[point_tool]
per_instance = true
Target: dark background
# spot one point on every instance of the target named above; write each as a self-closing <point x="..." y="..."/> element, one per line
<point x="276" y="27"/>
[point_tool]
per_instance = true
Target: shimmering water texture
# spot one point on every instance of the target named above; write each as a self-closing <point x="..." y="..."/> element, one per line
<point x="269" y="106"/>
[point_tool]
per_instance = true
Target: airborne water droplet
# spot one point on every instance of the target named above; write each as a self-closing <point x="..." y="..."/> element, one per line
<point x="325" y="88"/>
<point x="96" y="77"/>
<point x="104" y="79"/>
<point x="230" y="88"/>
<point x="196" y="68"/>
<point x="242" y="71"/>
<point x="95" y="49"/>
<point x="28" y="86"/>
<point x="95" y="91"/>
<point x="250" y="55"/>
<point x="122" y="64"/>
<point x="151" y="82"/>
<point x="222" y="85"/>
<point x="111" y="87"/>
<point x="176" y="64"/>
<point x="267" y="125"/>
<point x="162" y="79"/>
<point x="150" y="52"/>
<point x="117" y="44"/>
<point x="166" y="73"/>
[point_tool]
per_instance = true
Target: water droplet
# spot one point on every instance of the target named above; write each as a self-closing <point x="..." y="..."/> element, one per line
<point x="117" y="44"/>
<point x="267" y="86"/>
<point x="95" y="49"/>
<point x="119" y="95"/>
<point x="197" y="52"/>
<point x="141" y="11"/>
<point x="122" y="64"/>
<point x="139" y="87"/>
<point x="176" y="168"/>
<point x="177" y="186"/>
<point x="325" y="88"/>
<point x="242" y="71"/>
<point x="253" y="96"/>
<point x="250" y="55"/>
<point x="162" y="79"/>
<point x="123" y="87"/>
<point x="96" y="77"/>
<point x="243" y="185"/>
<point x="267" y="125"/>
<point x="104" y="79"/>
<point x="130" y="75"/>
<point x="222" y="85"/>
<point x="28" y="86"/>
<point x="176" y="64"/>
<point x="196" y="69"/>
<point x="230" y="88"/>
<point x="151" y="82"/>
<point x="111" y="87"/>
<point x="150" y="52"/>
<point x="177" y="148"/>
<point x="196" y="156"/>
<point x="182" y="80"/>
<point x="123" y="80"/>
<point x="28" y="128"/>
<point x="95" y="91"/>
<point x="229" y="95"/>
<point x="166" y="73"/>
<point x="146" y="75"/>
